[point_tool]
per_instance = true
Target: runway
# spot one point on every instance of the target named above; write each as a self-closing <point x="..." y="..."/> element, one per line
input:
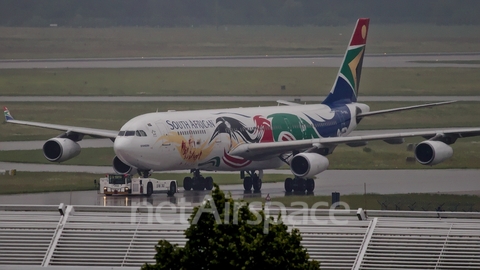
<point x="371" y="60"/>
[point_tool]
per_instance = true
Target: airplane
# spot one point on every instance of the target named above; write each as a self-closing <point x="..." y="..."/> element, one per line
<point x="251" y="140"/>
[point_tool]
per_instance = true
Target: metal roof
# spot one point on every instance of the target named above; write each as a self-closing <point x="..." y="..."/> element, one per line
<point x="125" y="237"/>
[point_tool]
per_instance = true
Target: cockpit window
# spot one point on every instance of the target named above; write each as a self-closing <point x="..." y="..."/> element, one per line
<point x="140" y="133"/>
<point x="130" y="133"/>
<point x="121" y="133"/>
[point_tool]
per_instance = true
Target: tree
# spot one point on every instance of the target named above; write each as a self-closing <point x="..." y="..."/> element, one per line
<point x="224" y="233"/>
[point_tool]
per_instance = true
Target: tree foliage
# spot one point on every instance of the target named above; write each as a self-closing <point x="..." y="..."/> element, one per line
<point x="166" y="13"/>
<point x="233" y="237"/>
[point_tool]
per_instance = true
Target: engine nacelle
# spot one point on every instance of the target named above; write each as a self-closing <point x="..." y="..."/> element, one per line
<point x="432" y="152"/>
<point x="120" y="167"/>
<point x="60" y="149"/>
<point x="307" y="165"/>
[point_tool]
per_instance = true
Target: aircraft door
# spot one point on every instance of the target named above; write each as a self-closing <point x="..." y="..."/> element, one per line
<point x="162" y="128"/>
<point x="164" y="138"/>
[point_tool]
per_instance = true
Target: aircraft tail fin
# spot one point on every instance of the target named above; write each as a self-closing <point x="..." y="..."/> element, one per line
<point x="7" y="114"/>
<point x="345" y="88"/>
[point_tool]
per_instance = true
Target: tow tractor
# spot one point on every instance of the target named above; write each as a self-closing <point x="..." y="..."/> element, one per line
<point x="124" y="184"/>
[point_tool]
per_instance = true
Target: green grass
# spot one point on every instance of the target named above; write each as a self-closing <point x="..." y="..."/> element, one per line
<point x="417" y="202"/>
<point x="18" y="42"/>
<point x="233" y="81"/>
<point x="114" y="115"/>
<point x="34" y="182"/>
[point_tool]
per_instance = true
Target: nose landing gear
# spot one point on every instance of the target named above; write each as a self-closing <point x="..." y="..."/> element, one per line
<point x="144" y="173"/>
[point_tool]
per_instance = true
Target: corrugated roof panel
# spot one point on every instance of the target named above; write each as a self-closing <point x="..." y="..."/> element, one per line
<point x="125" y="237"/>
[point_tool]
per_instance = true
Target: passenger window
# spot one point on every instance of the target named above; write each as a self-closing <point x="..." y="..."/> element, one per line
<point x="121" y="133"/>
<point x="130" y="133"/>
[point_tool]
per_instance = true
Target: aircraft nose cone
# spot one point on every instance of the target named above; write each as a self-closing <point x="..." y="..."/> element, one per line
<point x="122" y="148"/>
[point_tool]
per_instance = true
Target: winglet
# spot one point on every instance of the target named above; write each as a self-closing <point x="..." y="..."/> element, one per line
<point x="8" y="116"/>
<point x="345" y="88"/>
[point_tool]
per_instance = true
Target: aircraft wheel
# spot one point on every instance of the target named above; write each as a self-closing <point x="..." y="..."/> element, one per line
<point x="149" y="189"/>
<point x="310" y="185"/>
<point x="288" y="184"/>
<point x="209" y="183"/>
<point x="256" y="183"/>
<point x="247" y="183"/>
<point x="187" y="183"/>
<point x="299" y="184"/>
<point x="173" y="188"/>
<point x="199" y="183"/>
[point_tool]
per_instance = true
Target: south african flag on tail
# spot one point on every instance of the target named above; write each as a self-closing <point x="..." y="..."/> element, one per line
<point x="345" y="88"/>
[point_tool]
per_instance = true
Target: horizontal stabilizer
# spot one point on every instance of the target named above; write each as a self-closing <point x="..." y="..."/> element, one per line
<point x="361" y="115"/>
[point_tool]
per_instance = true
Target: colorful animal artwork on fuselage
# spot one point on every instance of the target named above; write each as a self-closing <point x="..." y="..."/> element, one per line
<point x="283" y="126"/>
<point x="242" y="128"/>
<point x="190" y="151"/>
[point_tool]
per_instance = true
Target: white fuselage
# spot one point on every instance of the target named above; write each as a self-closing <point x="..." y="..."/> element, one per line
<point x="202" y="139"/>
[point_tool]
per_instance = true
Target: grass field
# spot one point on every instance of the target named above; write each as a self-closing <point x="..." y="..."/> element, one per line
<point x="60" y="42"/>
<point x="408" y="202"/>
<point x="114" y="115"/>
<point x="34" y="182"/>
<point x="233" y="81"/>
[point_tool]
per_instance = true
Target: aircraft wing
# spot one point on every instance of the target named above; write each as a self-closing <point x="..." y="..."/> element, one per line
<point x="259" y="151"/>
<point x="98" y="133"/>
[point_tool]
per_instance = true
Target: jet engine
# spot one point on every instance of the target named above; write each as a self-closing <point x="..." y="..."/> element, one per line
<point x="122" y="168"/>
<point x="432" y="152"/>
<point x="306" y="165"/>
<point x="60" y="149"/>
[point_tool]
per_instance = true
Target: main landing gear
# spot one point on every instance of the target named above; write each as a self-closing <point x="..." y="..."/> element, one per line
<point x="298" y="184"/>
<point x="252" y="180"/>
<point x="144" y="173"/>
<point x="197" y="182"/>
